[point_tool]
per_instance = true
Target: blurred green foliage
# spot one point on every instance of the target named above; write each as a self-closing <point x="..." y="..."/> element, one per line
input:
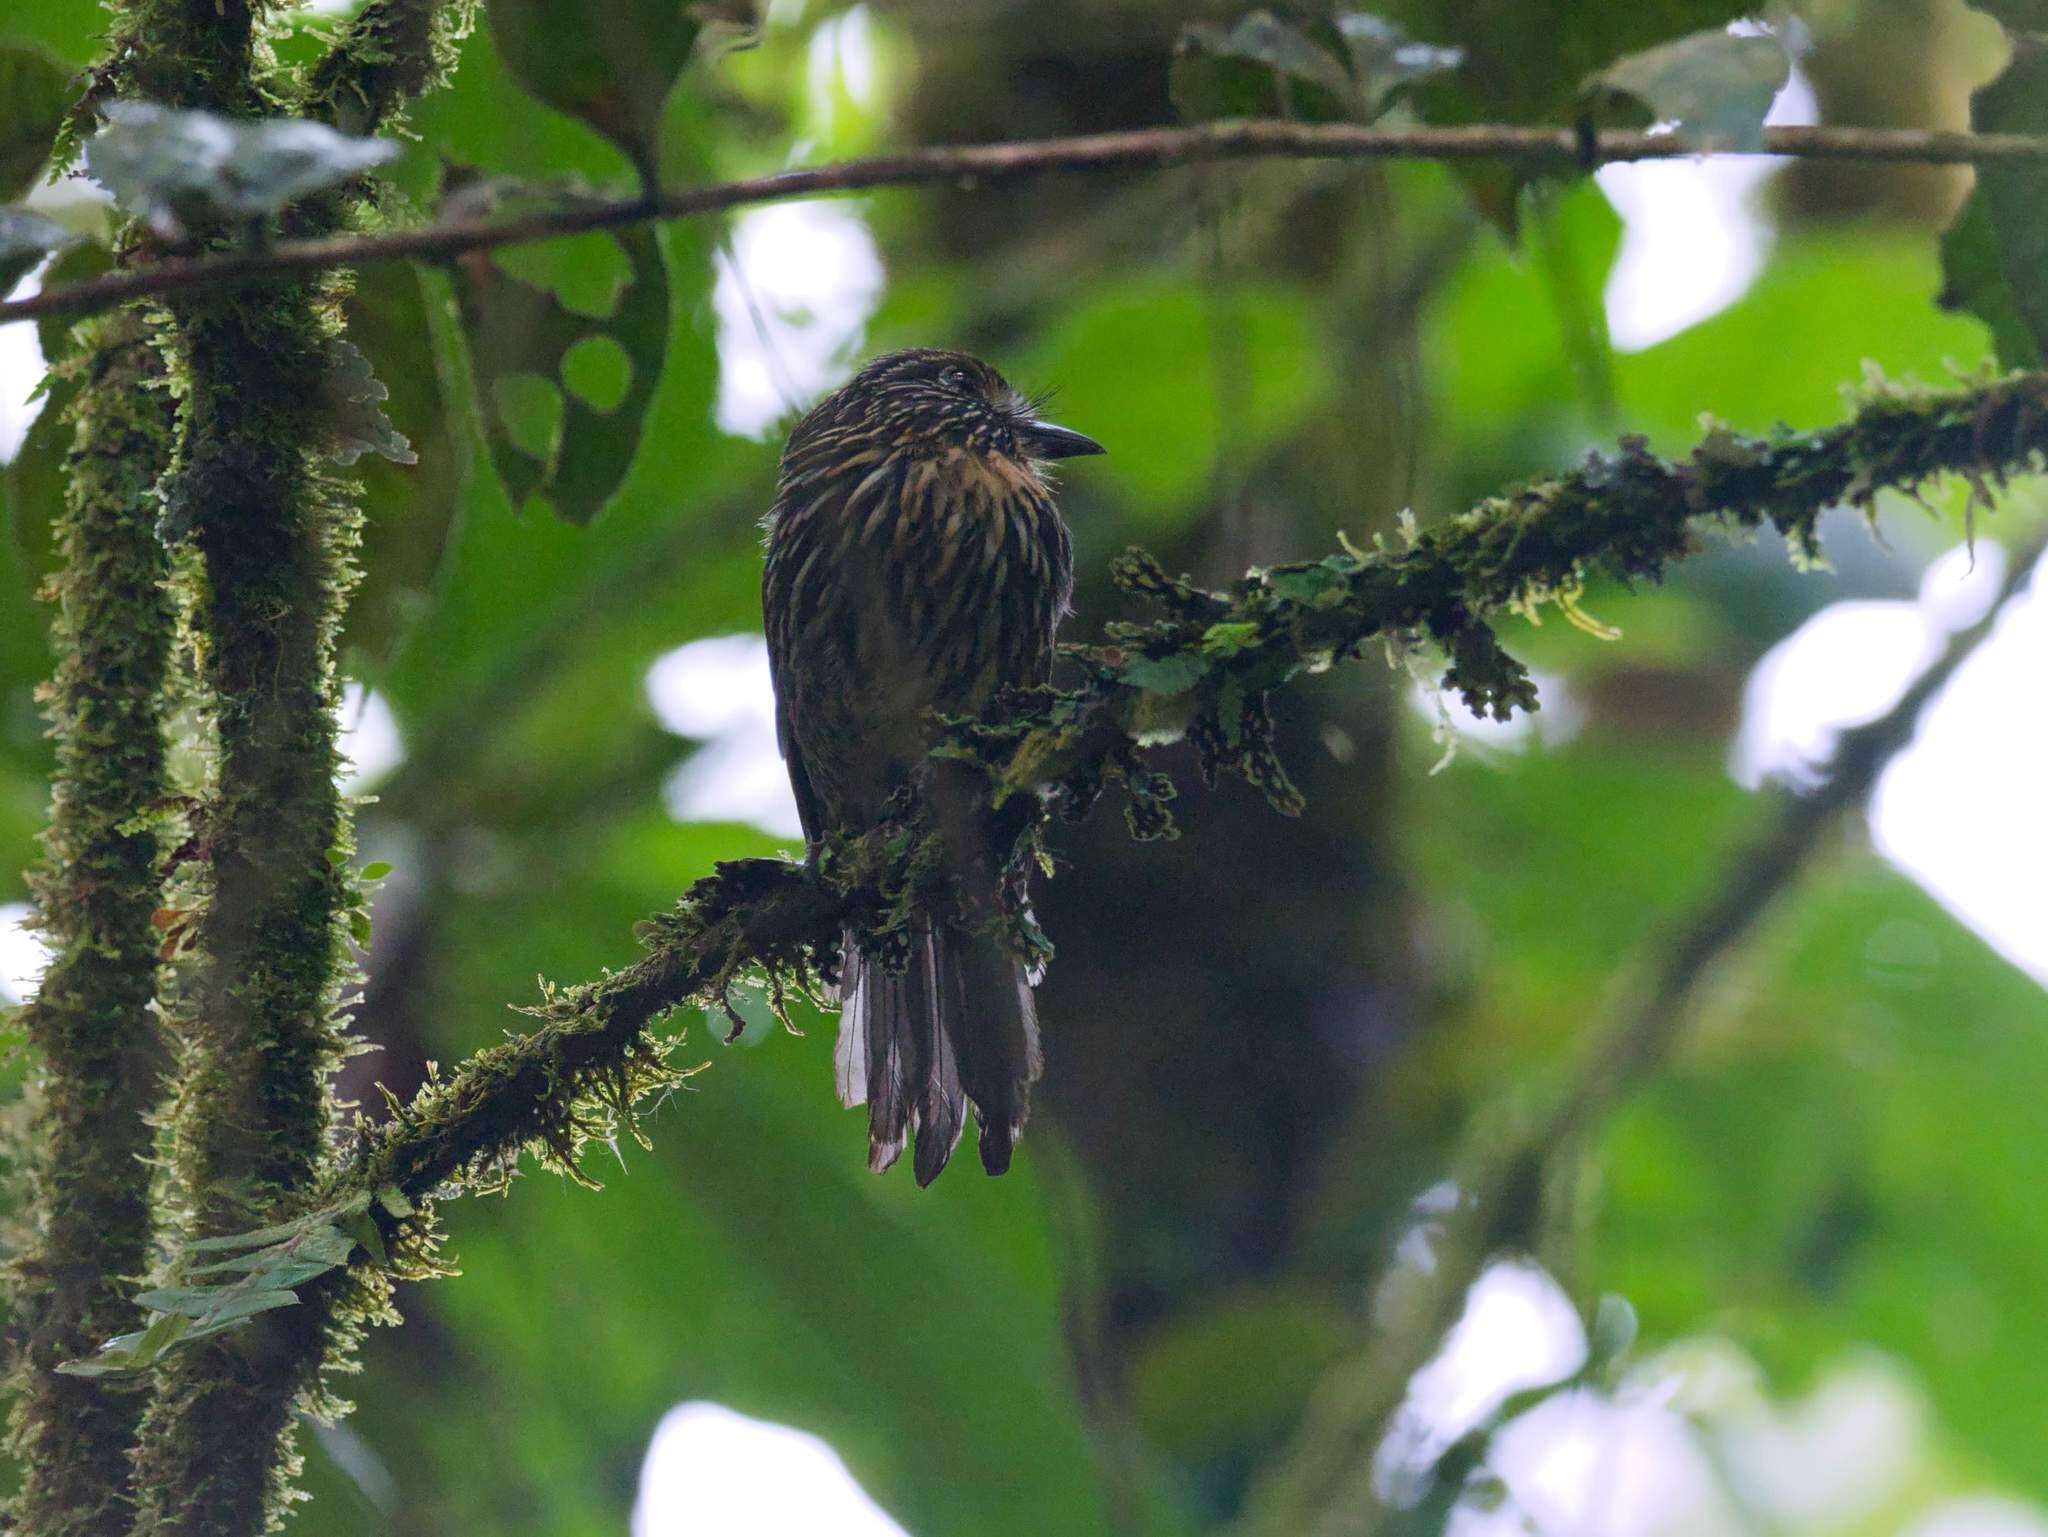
<point x="1265" y="1039"/>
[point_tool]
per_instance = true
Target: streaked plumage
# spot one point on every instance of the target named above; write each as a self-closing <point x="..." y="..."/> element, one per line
<point x="916" y="563"/>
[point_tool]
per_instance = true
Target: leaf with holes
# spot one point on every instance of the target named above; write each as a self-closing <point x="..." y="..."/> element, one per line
<point x="608" y="62"/>
<point x="1713" y="85"/>
<point x="1994" y="257"/>
<point x="563" y="391"/>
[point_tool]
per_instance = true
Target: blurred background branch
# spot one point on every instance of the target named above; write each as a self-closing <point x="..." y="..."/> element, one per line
<point x="1520" y="1171"/>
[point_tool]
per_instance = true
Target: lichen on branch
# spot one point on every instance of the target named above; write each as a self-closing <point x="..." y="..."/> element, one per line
<point x="1205" y="670"/>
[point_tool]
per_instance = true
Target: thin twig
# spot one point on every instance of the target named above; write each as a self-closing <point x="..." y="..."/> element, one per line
<point x="971" y="165"/>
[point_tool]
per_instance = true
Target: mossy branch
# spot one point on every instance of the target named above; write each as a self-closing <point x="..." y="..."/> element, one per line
<point x="388" y="53"/>
<point x="577" y="1077"/>
<point x="1203" y="672"/>
<point x="100" y="1056"/>
<point x="274" y="536"/>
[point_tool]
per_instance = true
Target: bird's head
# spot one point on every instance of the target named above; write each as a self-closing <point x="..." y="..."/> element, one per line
<point x="925" y="401"/>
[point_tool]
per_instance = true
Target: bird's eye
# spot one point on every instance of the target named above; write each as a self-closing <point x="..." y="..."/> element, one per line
<point x="953" y="378"/>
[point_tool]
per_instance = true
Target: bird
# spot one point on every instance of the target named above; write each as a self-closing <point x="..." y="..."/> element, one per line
<point x="916" y="566"/>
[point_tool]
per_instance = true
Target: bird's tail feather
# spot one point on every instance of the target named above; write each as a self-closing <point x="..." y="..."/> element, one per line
<point x="956" y="1026"/>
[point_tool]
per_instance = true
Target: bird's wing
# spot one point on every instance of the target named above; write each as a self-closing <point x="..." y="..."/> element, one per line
<point x="779" y="670"/>
<point x="799" y="778"/>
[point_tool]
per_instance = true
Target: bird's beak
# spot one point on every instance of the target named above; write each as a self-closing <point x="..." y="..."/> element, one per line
<point x="1043" y="440"/>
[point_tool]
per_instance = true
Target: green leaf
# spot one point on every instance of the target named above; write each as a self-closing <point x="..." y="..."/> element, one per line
<point x="192" y="1301"/>
<point x="359" y="927"/>
<point x="1166" y="675"/>
<point x="234" y="1309"/>
<point x="1260" y="67"/>
<point x="1262" y="38"/>
<point x="325" y="1246"/>
<point x="1385" y="61"/>
<point x="284" y="1274"/>
<point x="25" y="239"/>
<point x="1228" y="639"/>
<point x="110" y="1363"/>
<point x="173" y="166"/>
<point x="298" y="1227"/>
<point x="376" y="871"/>
<point x="1525" y="59"/>
<point x="1324" y="584"/>
<point x="126" y="1354"/>
<point x="36" y="93"/>
<point x="355" y="397"/>
<point x="1994" y="257"/>
<point x="1974" y="280"/>
<point x="212" y="1303"/>
<point x="70" y="33"/>
<point x="519" y="331"/>
<point x="1713" y="85"/>
<point x="362" y="1227"/>
<point x="261" y="1238"/>
<point x="609" y="62"/>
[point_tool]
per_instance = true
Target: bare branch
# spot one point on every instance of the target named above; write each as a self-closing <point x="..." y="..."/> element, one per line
<point x="1143" y="149"/>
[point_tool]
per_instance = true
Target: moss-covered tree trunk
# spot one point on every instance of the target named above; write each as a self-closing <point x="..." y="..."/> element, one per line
<point x="274" y="534"/>
<point x="93" y="1020"/>
<point x="203" y="438"/>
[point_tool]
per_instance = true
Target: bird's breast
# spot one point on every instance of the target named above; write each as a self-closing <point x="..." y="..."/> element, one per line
<point x="931" y="523"/>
